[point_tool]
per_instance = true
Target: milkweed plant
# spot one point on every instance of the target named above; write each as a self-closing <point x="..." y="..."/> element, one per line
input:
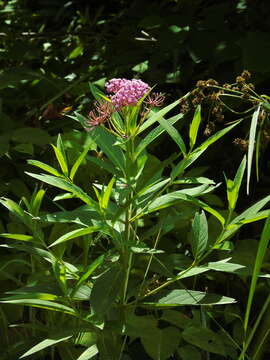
<point x="129" y="260"/>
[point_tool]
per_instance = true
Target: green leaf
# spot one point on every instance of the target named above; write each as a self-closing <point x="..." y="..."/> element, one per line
<point x="263" y="244"/>
<point x="75" y="233"/>
<point x="194" y="271"/>
<point x="105" y="197"/>
<point x="251" y="143"/>
<point x="194" y="180"/>
<point x="15" y="209"/>
<point x="88" y="353"/>
<point x="199" y="235"/>
<point x="153" y="134"/>
<point x="31" y="295"/>
<point x="137" y="326"/>
<point x="90" y="269"/>
<point x="36" y="201"/>
<point x="194" y="127"/>
<point x="163" y="202"/>
<point x="233" y="187"/>
<point x="189" y="352"/>
<point x="106" y="142"/>
<point x="61" y="160"/>
<point x="160" y="344"/>
<point x="77" y="51"/>
<point x="156" y="116"/>
<point x="22" y="148"/>
<point x="17" y="237"/>
<point x="63" y="196"/>
<point x="141" y="67"/>
<point x="83" y="215"/>
<point x="250" y="215"/>
<point x="205" y="339"/>
<point x="96" y="92"/>
<point x="78" y="162"/>
<point x="190" y="297"/>
<point x="65" y="185"/>
<point x="104" y="164"/>
<point x="45" y="344"/>
<point x="105" y="290"/>
<point x="174" y="134"/>
<point x="44" y="167"/>
<point x="43" y="304"/>
<point x="224" y="265"/>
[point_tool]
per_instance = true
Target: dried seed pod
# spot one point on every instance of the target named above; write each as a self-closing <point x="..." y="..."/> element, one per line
<point x="241" y="143"/>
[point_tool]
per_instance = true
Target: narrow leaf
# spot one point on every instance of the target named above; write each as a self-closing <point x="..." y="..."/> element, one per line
<point x="89" y="353"/>
<point x="157" y="115"/>
<point x="61" y="160"/>
<point x="43" y="304"/>
<point x="233" y="187"/>
<point x="251" y="143"/>
<point x="107" y="193"/>
<point x="190" y="297"/>
<point x="44" y="167"/>
<point x="65" y="185"/>
<point x="264" y="241"/>
<point x="106" y="142"/>
<point x="17" y="237"/>
<point x="174" y="134"/>
<point x="194" y="127"/>
<point x="78" y="163"/>
<point x="105" y="290"/>
<point x="74" y="234"/>
<point x="90" y="269"/>
<point x="199" y="235"/>
<point x="45" y="344"/>
<point x="153" y="134"/>
<point x="36" y="201"/>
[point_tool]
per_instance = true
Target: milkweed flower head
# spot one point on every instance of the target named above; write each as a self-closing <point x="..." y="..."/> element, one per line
<point x="126" y="92"/>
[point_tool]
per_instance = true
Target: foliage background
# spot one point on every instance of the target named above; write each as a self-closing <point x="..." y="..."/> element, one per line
<point x="50" y="50"/>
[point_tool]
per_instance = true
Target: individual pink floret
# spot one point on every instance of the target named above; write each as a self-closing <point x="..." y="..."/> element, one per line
<point x="114" y="85"/>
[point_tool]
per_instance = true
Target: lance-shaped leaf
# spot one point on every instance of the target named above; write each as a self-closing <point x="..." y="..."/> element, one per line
<point x="65" y="185"/>
<point x="189" y="297"/>
<point x="43" y="304"/>
<point x="106" y="141"/>
<point x="44" y="167"/>
<point x="153" y="134"/>
<point x="78" y="162"/>
<point x="106" y="289"/>
<point x="45" y="344"/>
<point x="251" y="143"/>
<point x="89" y="353"/>
<point x="75" y="233"/>
<point x="194" y="127"/>
<point x="163" y="202"/>
<point x="199" y="235"/>
<point x="233" y="187"/>
<point x="174" y="134"/>
<point x="157" y="115"/>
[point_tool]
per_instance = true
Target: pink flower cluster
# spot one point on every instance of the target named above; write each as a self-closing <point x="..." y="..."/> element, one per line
<point x="126" y="92"/>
